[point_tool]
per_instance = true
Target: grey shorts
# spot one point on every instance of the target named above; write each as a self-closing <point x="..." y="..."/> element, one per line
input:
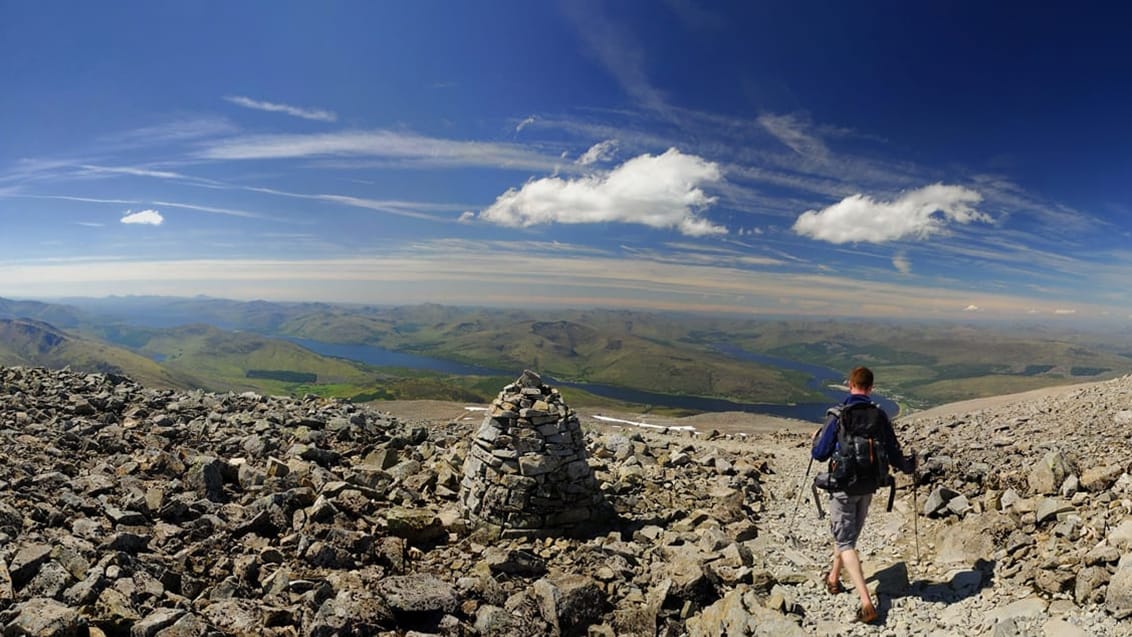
<point x="847" y="517"/>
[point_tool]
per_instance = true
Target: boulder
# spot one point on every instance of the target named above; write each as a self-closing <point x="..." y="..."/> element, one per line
<point x="1098" y="479"/>
<point x="1048" y="474"/>
<point x="44" y="617"/>
<point x="1118" y="598"/>
<point x="740" y="613"/>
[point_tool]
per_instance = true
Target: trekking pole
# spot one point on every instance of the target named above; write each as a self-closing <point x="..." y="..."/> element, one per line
<point x="798" y="497"/>
<point x="915" y="506"/>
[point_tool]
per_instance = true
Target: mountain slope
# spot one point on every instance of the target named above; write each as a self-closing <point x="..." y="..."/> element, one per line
<point x="35" y="343"/>
<point x="237" y="361"/>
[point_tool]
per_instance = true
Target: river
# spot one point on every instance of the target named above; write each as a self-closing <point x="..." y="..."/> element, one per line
<point x="820" y="379"/>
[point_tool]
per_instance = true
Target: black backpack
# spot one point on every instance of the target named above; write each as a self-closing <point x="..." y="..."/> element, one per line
<point x="859" y="464"/>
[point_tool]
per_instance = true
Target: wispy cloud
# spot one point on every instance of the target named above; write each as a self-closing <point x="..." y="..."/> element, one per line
<point x="860" y="218"/>
<point x="143" y="217"/>
<point x="901" y="263"/>
<point x="82" y="199"/>
<point x="132" y="171"/>
<point x="181" y="129"/>
<point x="616" y="50"/>
<point x="792" y="132"/>
<point x="1055" y="218"/>
<point x="172" y="132"/>
<point x="316" y="114"/>
<point x="525" y="123"/>
<point x="661" y="191"/>
<point x="220" y="211"/>
<point x="412" y="209"/>
<point x="424" y="151"/>
<point x="601" y="151"/>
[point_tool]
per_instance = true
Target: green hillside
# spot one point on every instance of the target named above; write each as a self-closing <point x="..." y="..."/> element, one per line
<point x="241" y="361"/>
<point x="34" y="343"/>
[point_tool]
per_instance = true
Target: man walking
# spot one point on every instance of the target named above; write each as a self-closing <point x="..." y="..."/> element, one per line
<point x="860" y="445"/>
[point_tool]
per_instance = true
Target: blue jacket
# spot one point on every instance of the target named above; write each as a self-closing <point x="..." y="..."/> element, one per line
<point x="826" y="441"/>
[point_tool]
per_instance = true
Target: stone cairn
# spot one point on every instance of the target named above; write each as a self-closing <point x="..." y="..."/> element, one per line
<point x="526" y="470"/>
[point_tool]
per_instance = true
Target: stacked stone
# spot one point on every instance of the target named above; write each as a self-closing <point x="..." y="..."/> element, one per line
<point x="526" y="470"/>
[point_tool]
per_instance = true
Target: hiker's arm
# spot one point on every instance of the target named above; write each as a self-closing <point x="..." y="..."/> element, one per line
<point x="895" y="455"/>
<point x="825" y="441"/>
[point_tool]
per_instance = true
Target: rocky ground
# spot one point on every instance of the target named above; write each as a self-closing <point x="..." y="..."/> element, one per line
<point x="132" y="511"/>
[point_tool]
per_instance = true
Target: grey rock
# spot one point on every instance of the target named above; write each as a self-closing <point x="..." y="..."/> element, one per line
<point x="351" y="613"/>
<point x="514" y="562"/>
<point x="1048" y="474"/>
<point x="26" y="563"/>
<point x="1087" y="586"/>
<point x="1102" y="554"/>
<point x="1118" y="599"/>
<point x="45" y="617"/>
<point x="206" y="476"/>
<point x="187" y="626"/>
<point x="569" y="602"/>
<point x="156" y="621"/>
<point x="1097" y="479"/>
<point x="50" y="581"/>
<point x="1121" y="536"/>
<point x="937" y="500"/>
<point x="493" y="621"/>
<point x="418" y="526"/>
<point x="234" y="616"/>
<point x="740" y="613"/>
<point x="1054" y="581"/>
<point x="418" y="593"/>
<point x="1050" y="508"/>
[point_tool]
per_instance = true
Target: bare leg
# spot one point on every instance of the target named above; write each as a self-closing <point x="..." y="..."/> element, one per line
<point x="835" y="572"/>
<point x="852" y="564"/>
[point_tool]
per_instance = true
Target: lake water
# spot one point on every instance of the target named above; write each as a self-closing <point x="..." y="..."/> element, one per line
<point x="820" y="379"/>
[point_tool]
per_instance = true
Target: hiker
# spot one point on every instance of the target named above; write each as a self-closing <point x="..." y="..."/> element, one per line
<point x="860" y="445"/>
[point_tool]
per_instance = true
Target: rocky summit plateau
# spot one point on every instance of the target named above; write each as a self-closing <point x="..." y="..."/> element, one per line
<point x="126" y="510"/>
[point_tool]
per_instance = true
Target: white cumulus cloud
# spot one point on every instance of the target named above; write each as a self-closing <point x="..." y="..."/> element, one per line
<point x="917" y="213"/>
<point x="971" y="308"/>
<point x="144" y="217"/>
<point x="660" y="191"/>
<point x="316" y="114"/>
<point x="601" y="151"/>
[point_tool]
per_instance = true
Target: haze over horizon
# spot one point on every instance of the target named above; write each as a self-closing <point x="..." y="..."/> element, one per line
<point x="798" y="158"/>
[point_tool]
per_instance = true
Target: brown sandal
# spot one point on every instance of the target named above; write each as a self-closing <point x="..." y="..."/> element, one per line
<point x="833" y="588"/>
<point x="867" y="614"/>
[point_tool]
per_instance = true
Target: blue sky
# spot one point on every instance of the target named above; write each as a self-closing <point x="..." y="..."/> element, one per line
<point x="944" y="160"/>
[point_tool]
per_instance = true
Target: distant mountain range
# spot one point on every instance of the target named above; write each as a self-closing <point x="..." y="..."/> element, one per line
<point x="224" y="345"/>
